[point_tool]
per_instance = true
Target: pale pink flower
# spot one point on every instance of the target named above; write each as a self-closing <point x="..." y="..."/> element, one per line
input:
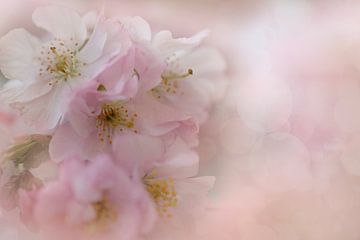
<point x="179" y="215"/>
<point x="92" y="199"/>
<point x="120" y="101"/>
<point x="140" y="69"/>
<point x="179" y="196"/>
<point x="194" y="76"/>
<point x="44" y="73"/>
<point x="91" y="125"/>
<point x="136" y="76"/>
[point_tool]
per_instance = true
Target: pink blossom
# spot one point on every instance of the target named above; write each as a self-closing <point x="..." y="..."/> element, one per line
<point x="92" y="199"/>
<point x="179" y="195"/>
<point x="96" y="115"/>
<point x="185" y="199"/>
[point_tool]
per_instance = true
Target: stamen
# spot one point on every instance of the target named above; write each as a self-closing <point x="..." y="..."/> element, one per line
<point x="114" y="116"/>
<point x="163" y="191"/>
<point x="136" y="73"/>
<point x="101" y="88"/>
<point x="169" y="83"/>
<point x="59" y="61"/>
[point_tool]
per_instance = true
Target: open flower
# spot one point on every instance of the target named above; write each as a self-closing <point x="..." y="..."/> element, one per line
<point x="170" y="181"/>
<point x="193" y="77"/>
<point x="91" y="200"/>
<point x="44" y="74"/>
<point x="121" y="100"/>
<point x="91" y="123"/>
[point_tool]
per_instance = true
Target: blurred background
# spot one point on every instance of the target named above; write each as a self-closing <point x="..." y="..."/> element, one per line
<point x="284" y="142"/>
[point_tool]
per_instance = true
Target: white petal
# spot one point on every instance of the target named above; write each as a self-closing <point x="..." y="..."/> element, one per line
<point x="138" y="28"/>
<point x="90" y="20"/>
<point x="116" y="45"/>
<point x="62" y="22"/>
<point x="205" y="61"/>
<point x="18" y="51"/>
<point x="168" y="45"/>
<point x="17" y="91"/>
<point x="11" y="90"/>
<point x="45" y="112"/>
<point x="94" y="47"/>
<point x="192" y="187"/>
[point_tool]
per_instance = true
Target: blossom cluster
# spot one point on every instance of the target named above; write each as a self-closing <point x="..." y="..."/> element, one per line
<point x="106" y="117"/>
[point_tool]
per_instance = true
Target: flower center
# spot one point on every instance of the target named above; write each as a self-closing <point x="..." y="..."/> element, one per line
<point x="169" y="83"/>
<point x="105" y="215"/>
<point x="59" y="62"/>
<point x="163" y="191"/>
<point x="114" y="116"/>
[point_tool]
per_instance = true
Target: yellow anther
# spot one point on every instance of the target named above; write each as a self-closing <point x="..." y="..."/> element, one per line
<point x="113" y="116"/>
<point x="59" y="61"/>
<point x="163" y="192"/>
<point x="169" y="83"/>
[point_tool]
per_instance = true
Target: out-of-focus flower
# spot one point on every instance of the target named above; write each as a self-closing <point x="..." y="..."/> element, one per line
<point x="17" y="161"/>
<point x="12" y="228"/>
<point x="91" y="200"/>
<point x="45" y="73"/>
<point x="8" y="127"/>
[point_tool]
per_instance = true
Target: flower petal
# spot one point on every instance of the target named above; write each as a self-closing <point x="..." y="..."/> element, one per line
<point x="90" y="20"/>
<point x="18" y="50"/>
<point x="168" y="45"/>
<point x="42" y="119"/>
<point x="78" y="117"/>
<point x="64" y="144"/>
<point x="157" y="118"/>
<point x="18" y="91"/>
<point x="61" y="22"/>
<point x="138" y="149"/>
<point x="138" y="28"/>
<point x="181" y="162"/>
<point x="115" y="46"/>
<point x="94" y="47"/>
